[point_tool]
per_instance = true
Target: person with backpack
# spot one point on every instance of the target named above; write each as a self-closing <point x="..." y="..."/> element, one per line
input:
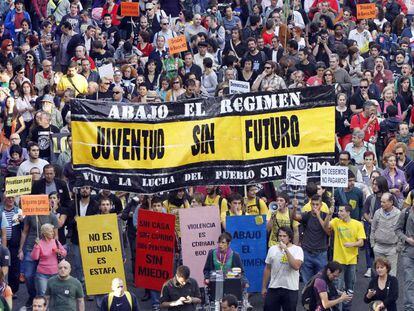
<point x="315" y="237"/>
<point x="320" y="293"/>
<point x="119" y="298"/>
<point x="235" y="208"/>
<point x="405" y="231"/>
<point x="282" y="217"/>
<point x="254" y="205"/>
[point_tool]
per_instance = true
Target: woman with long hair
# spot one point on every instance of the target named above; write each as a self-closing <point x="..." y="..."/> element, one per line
<point x="129" y="78"/>
<point x="152" y="75"/>
<point x="246" y="72"/>
<point x="46" y="251"/>
<point x="269" y="32"/>
<point x="388" y="98"/>
<point x="164" y="86"/>
<point x="176" y="89"/>
<point x="26" y="106"/>
<point x="328" y="78"/>
<point x="6" y="52"/>
<point x="32" y="65"/>
<point x="387" y="40"/>
<point x="382" y="291"/>
<point x="355" y="60"/>
<point x="13" y="122"/>
<point x="343" y="120"/>
<point x="404" y="92"/>
<point x="144" y="43"/>
<point x="235" y="45"/>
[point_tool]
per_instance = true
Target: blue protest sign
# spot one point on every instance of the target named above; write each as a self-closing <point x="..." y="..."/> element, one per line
<point x="249" y="240"/>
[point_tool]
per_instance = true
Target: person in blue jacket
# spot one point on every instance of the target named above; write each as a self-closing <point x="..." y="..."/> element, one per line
<point x="14" y="18"/>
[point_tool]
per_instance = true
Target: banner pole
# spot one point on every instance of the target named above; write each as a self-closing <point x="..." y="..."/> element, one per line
<point x="76" y="201"/>
<point x="37" y="226"/>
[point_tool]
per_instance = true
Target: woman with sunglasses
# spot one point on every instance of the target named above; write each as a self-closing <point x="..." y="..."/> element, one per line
<point x="328" y="78"/>
<point x="6" y="52"/>
<point x="175" y="90"/>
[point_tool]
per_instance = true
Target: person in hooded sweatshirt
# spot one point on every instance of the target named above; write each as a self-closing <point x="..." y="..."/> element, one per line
<point x="384" y="240"/>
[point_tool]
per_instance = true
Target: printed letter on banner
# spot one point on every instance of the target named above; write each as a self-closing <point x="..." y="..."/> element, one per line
<point x="200" y="229"/>
<point x="101" y="252"/>
<point x="155" y="249"/>
<point x="249" y="240"/>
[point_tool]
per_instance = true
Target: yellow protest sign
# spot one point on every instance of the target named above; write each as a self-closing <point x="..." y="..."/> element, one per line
<point x="37" y="204"/>
<point x="101" y="252"/>
<point x="18" y="185"/>
<point x="366" y="11"/>
<point x="177" y="45"/>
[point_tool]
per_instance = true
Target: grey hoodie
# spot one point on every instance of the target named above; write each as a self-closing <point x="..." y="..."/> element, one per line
<point x="383" y="228"/>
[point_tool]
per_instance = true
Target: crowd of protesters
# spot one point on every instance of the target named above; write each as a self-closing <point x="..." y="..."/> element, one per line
<point x="52" y="51"/>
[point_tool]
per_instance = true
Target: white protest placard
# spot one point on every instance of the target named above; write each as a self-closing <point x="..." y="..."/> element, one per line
<point x="334" y="176"/>
<point x="106" y="71"/>
<point x="236" y="87"/>
<point x="296" y="170"/>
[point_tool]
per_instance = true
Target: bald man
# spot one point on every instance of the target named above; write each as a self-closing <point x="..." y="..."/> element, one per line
<point x="119" y="297"/>
<point x="44" y="77"/>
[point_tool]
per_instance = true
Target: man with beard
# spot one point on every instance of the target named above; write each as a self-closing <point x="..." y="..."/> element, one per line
<point x="396" y="67"/>
<point x="85" y="206"/>
<point x="42" y="135"/>
<point x="213" y="198"/>
<point x="257" y="57"/>
<point x="72" y="80"/>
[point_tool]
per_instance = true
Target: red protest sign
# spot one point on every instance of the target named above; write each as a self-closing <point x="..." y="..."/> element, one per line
<point x="129" y="9"/>
<point x="366" y="11"/>
<point x="155" y="249"/>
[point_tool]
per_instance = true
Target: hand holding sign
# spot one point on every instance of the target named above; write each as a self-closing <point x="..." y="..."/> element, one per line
<point x="177" y="45"/>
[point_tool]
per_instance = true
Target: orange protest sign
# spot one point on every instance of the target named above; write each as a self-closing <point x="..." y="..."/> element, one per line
<point x="177" y="44"/>
<point x="366" y="11"/>
<point x="35" y="204"/>
<point x="129" y="9"/>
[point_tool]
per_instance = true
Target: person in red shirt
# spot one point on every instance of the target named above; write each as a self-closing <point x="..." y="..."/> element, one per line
<point x="367" y="121"/>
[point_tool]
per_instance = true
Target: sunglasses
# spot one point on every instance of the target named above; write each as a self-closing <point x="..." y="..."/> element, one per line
<point x="165" y="23"/>
<point x="399" y="153"/>
<point x="363" y="87"/>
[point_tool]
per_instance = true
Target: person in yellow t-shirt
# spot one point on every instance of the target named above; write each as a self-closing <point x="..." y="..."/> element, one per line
<point x="282" y="217"/>
<point x="176" y="200"/>
<point x="72" y="80"/>
<point x="213" y="198"/>
<point x="349" y="235"/>
<point x="254" y="205"/>
<point x="235" y="208"/>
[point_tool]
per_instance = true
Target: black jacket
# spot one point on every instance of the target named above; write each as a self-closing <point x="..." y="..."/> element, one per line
<point x="39" y="187"/>
<point x="388" y="295"/>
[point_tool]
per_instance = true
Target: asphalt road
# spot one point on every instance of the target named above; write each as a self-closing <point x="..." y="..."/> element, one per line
<point x="255" y="299"/>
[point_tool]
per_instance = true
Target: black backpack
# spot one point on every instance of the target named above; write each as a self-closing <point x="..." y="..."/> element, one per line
<point x="308" y="295"/>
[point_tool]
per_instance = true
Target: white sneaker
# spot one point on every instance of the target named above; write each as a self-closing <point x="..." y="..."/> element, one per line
<point x="368" y="273"/>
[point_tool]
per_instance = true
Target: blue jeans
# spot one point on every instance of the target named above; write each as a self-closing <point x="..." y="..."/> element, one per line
<point x="155" y="298"/>
<point x="312" y="264"/>
<point x="77" y="270"/>
<point x="408" y="264"/>
<point x="347" y="282"/>
<point x="41" y="282"/>
<point x="29" y="272"/>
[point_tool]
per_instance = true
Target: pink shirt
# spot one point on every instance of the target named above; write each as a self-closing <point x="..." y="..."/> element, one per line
<point x="45" y="252"/>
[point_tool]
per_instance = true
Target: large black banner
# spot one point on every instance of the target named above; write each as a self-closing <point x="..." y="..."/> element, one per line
<point x="235" y="140"/>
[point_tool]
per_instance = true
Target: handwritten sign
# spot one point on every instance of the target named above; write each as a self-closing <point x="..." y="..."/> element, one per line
<point x="35" y="204"/>
<point x="177" y="45"/>
<point x="334" y="176"/>
<point x="155" y="249"/>
<point x="200" y="229"/>
<point x="129" y="9"/>
<point x="18" y="185"/>
<point x="366" y="11"/>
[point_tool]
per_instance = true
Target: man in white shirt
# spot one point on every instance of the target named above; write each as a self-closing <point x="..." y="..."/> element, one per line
<point x="361" y="35"/>
<point x="283" y="262"/>
<point x="34" y="161"/>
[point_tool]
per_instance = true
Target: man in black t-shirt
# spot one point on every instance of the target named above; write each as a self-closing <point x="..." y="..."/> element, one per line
<point x="42" y="135"/>
<point x="257" y="57"/>
<point x="308" y="68"/>
<point x="315" y="237"/>
<point x="119" y="299"/>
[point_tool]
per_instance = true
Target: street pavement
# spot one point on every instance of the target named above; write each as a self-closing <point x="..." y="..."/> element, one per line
<point x="255" y="299"/>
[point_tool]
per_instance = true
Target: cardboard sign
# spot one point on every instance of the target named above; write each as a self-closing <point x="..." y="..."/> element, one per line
<point x="129" y="9"/>
<point x="35" y="204"/>
<point x="334" y="176"/>
<point x="200" y="229"/>
<point x="155" y="249"/>
<point x="106" y="71"/>
<point x="101" y="252"/>
<point x="249" y="240"/>
<point x="366" y="11"/>
<point x="296" y="170"/>
<point x="237" y="87"/>
<point x="18" y="185"/>
<point x="177" y="45"/>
